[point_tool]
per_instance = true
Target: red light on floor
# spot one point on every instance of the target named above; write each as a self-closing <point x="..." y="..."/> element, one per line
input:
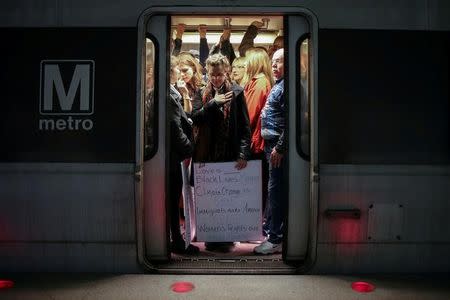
<point x="6" y="284"/>
<point x="182" y="287"/>
<point x="362" y="287"/>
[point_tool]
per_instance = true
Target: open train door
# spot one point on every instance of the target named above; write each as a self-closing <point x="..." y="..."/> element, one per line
<point x="302" y="165"/>
<point x="151" y="209"/>
<point x="300" y="28"/>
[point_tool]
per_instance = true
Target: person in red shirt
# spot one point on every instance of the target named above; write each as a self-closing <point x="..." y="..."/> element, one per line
<point x="259" y="82"/>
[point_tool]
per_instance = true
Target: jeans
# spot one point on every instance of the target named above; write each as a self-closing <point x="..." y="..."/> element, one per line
<point x="276" y="201"/>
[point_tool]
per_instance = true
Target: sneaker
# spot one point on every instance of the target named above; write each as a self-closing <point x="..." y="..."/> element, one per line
<point x="268" y="248"/>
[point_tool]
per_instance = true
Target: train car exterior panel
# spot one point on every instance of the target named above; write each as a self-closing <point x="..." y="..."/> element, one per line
<point x="438" y="15"/>
<point x="69" y="257"/>
<point x="70" y="198"/>
<point x="384" y="97"/>
<point x="67" y="202"/>
<point x="385" y="14"/>
<point x="42" y="65"/>
<point x="420" y="194"/>
<point x="61" y="217"/>
<point x="407" y="234"/>
<point x="382" y="258"/>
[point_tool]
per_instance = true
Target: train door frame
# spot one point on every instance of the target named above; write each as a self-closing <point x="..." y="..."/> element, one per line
<point x="310" y="256"/>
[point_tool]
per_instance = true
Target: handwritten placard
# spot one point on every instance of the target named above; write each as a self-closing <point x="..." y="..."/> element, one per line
<point x="228" y="201"/>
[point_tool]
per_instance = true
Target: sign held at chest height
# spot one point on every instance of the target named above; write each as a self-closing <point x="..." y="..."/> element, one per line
<point x="228" y="201"/>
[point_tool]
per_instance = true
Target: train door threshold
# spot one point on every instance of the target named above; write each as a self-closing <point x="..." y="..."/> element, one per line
<point x="240" y="259"/>
<point x="226" y="265"/>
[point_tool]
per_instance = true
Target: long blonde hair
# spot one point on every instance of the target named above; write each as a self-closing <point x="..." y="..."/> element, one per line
<point x="239" y="60"/>
<point x="258" y="61"/>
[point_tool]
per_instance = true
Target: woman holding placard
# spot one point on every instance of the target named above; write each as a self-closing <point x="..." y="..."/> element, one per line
<point x="223" y="121"/>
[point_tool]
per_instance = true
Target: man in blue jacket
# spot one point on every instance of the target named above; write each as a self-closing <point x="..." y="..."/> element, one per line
<point x="273" y="122"/>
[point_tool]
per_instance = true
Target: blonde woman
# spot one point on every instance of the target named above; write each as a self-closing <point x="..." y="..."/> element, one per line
<point x="259" y="82"/>
<point x="238" y="71"/>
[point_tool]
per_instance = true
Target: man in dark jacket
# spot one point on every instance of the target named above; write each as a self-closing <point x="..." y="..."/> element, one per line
<point x="181" y="147"/>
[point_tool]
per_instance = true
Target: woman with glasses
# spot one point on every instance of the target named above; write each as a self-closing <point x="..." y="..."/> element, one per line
<point x="238" y="71"/>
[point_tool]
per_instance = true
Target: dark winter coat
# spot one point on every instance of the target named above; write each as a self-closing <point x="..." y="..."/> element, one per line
<point x="207" y="117"/>
<point x="181" y="138"/>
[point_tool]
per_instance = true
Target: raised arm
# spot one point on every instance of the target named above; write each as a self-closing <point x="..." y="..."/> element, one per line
<point x="204" y="48"/>
<point x="249" y="36"/>
<point x="224" y="46"/>
<point x="178" y="39"/>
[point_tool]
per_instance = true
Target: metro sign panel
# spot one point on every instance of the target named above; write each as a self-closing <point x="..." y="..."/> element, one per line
<point x="67" y="87"/>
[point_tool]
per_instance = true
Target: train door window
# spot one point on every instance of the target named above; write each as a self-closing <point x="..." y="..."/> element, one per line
<point x="303" y="139"/>
<point x="150" y="124"/>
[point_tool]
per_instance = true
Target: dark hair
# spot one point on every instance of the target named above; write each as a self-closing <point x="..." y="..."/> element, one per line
<point x="217" y="60"/>
<point x="187" y="58"/>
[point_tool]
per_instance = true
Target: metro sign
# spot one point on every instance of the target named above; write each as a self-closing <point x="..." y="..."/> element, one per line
<point x="74" y="94"/>
<point x="67" y="89"/>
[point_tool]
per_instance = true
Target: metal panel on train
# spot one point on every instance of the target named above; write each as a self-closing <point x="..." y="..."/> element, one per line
<point x="384" y="97"/>
<point x="68" y="95"/>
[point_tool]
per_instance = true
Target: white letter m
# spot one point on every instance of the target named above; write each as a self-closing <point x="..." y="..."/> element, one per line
<point x="80" y="80"/>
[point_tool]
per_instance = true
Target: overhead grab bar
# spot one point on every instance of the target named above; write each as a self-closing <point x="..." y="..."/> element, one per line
<point x="226" y="24"/>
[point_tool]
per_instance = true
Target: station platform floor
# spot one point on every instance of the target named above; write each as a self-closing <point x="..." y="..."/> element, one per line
<point x="142" y="286"/>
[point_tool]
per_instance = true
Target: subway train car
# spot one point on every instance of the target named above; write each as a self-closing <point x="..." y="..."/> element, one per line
<point x="83" y="188"/>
